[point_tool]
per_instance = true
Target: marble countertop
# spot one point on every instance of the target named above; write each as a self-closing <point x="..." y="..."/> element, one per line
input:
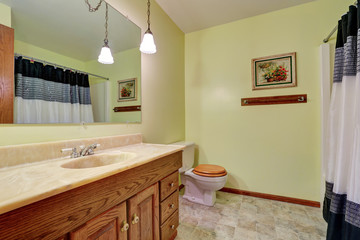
<point x="27" y="183"/>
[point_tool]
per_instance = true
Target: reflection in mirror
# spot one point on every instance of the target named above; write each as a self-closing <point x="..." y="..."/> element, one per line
<point x="67" y="34"/>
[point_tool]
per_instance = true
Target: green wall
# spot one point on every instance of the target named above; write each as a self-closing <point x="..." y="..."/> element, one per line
<point x="5" y="15"/>
<point x="271" y="149"/>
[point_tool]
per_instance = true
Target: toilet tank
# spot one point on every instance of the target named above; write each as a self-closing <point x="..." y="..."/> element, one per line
<point x="188" y="155"/>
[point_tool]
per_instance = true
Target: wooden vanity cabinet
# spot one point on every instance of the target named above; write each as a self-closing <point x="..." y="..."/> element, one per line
<point x="169" y="205"/>
<point x="98" y="210"/>
<point x="110" y="225"/>
<point x="143" y="214"/>
<point x="139" y="222"/>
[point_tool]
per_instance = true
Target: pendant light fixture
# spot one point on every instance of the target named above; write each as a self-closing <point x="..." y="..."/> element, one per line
<point x="105" y="56"/>
<point x="148" y="45"/>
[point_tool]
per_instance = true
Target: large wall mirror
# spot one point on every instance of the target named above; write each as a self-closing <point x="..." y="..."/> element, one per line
<point x="67" y="34"/>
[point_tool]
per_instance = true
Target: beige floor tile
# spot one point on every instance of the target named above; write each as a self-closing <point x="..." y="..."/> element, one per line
<point x="244" y="234"/>
<point x="286" y="234"/>
<point x="248" y="218"/>
<point x="267" y="230"/>
<point x="224" y="231"/>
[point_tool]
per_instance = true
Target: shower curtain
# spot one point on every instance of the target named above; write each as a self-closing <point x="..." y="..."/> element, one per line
<point x="341" y="207"/>
<point x="46" y="94"/>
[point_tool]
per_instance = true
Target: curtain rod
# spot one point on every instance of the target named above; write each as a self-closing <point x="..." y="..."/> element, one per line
<point x="57" y="65"/>
<point x="332" y="31"/>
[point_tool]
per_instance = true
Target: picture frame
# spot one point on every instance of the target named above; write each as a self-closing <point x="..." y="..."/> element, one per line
<point x="127" y="90"/>
<point x="276" y="71"/>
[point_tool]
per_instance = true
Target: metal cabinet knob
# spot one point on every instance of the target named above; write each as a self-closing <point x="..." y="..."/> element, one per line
<point x="125" y="226"/>
<point x="172" y="184"/>
<point x="172" y="205"/>
<point x="172" y="226"/>
<point x="135" y="219"/>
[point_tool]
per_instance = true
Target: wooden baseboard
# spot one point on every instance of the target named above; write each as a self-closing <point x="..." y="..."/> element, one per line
<point x="268" y="196"/>
<point x="272" y="197"/>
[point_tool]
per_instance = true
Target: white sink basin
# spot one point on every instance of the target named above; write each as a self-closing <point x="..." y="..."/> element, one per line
<point x="99" y="160"/>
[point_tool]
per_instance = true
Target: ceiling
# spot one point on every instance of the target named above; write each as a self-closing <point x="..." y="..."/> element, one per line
<point x="68" y="28"/>
<point x="194" y="15"/>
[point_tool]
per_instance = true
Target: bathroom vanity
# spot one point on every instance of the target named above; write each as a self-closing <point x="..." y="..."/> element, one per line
<point x="134" y="198"/>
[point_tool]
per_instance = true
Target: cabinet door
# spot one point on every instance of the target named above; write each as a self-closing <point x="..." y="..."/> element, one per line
<point x="143" y="214"/>
<point x="6" y="74"/>
<point x="110" y="225"/>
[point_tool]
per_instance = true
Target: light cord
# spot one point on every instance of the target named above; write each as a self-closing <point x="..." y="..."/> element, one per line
<point x="106" y="25"/>
<point x="93" y="9"/>
<point x="148" y="14"/>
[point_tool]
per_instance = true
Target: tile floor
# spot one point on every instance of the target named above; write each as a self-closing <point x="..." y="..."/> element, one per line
<point x="242" y="217"/>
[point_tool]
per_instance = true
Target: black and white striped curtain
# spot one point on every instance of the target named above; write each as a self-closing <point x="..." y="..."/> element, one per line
<point x="341" y="207"/>
<point x="46" y="94"/>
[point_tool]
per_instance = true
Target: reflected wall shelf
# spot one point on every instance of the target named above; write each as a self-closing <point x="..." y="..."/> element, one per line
<point x="302" y="98"/>
<point x="128" y="108"/>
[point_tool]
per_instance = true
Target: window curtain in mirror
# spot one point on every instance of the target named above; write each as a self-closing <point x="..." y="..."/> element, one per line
<point x="341" y="207"/>
<point x="46" y="94"/>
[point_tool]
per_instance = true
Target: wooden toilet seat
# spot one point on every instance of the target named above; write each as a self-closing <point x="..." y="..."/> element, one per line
<point x="208" y="170"/>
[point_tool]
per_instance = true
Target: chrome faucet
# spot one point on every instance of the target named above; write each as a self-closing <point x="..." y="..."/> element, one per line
<point x="74" y="154"/>
<point x="89" y="150"/>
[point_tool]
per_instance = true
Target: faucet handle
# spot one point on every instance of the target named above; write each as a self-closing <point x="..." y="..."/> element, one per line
<point x="74" y="154"/>
<point x="92" y="147"/>
<point x="95" y="145"/>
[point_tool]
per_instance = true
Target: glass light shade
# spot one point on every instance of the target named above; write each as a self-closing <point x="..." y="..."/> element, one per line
<point x="148" y="45"/>
<point x="105" y="56"/>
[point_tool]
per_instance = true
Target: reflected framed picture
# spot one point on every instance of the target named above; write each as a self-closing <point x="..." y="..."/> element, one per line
<point x="277" y="71"/>
<point x="127" y="90"/>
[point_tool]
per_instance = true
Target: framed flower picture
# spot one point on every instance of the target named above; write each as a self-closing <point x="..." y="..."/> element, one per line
<point x="127" y="90"/>
<point x="277" y="71"/>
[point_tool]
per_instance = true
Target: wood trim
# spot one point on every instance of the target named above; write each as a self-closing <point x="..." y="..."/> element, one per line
<point x="128" y="108"/>
<point x="272" y="197"/>
<point x="181" y="186"/>
<point x="54" y="217"/>
<point x="173" y="236"/>
<point x="301" y="98"/>
<point x="6" y="74"/>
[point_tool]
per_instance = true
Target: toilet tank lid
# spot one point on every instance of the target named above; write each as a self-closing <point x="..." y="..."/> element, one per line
<point x="183" y="143"/>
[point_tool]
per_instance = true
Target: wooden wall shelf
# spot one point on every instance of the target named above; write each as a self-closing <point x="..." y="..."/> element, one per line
<point x="302" y="98"/>
<point x="128" y="108"/>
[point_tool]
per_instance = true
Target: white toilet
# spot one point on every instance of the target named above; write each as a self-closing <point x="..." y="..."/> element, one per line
<point x="201" y="182"/>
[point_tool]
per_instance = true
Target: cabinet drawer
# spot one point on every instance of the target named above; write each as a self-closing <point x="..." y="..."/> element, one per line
<point x="168" y="185"/>
<point x="170" y="225"/>
<point x="169" y="205"/>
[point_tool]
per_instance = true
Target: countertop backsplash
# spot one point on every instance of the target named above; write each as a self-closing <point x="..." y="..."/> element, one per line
<point x="30" y="153"/>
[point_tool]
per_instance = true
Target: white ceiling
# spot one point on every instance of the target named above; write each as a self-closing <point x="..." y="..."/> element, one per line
<point x="194" y="15"/>
<point x="68" y="28"/>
